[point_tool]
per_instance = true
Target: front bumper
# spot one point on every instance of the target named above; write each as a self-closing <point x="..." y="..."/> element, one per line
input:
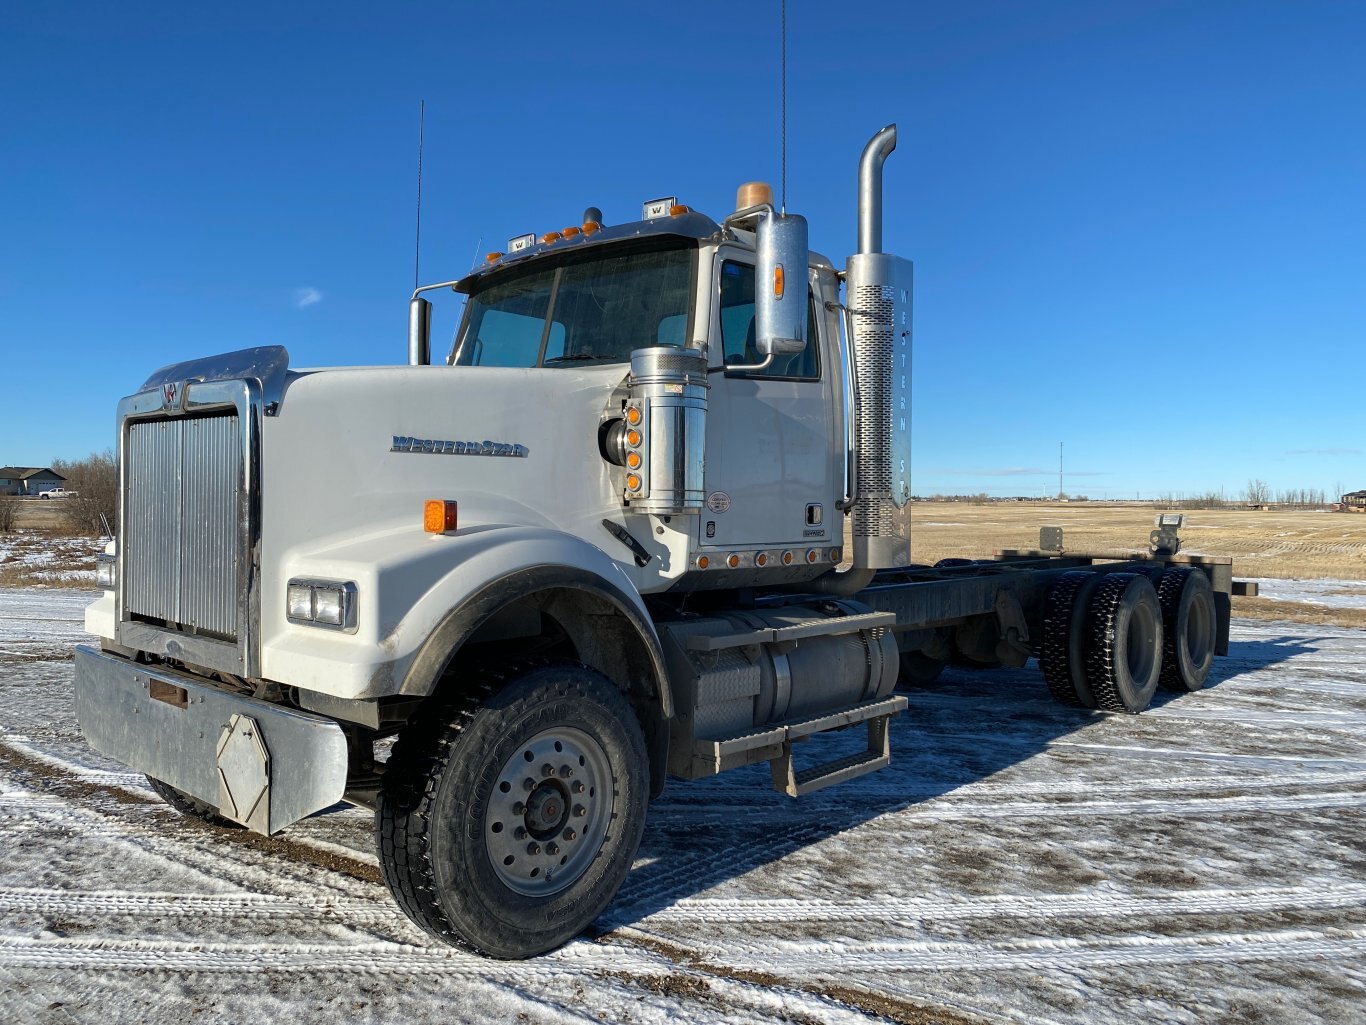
<point x="262" y="765"/>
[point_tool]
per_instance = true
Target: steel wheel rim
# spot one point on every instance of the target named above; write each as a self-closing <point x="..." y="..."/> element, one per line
<point x="1141" y="644"/>
<point x="548" y="812"/>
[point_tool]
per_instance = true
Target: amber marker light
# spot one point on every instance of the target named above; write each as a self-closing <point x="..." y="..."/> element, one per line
<point x="550" y="236"/>
<point x="778" y="281"/>
<point x="633" y="482"/>
<point x="591" y="227"/>
<point x="633" y="460"/>
<point x="633" y="415"/>
<point x="493" y="257"/>
<point x="787" y="558"/>
<point x="678" y="209"/>
<point x="633" y="438"/>
<point x="835" y="554"/>
<point x="703" y="562"/>
<point x="761" y="559"/>
<point x="570" y="231"/>
<point x="732" y="561"/>
<point x="812" y="555"/>
<point x="438" y="516"/>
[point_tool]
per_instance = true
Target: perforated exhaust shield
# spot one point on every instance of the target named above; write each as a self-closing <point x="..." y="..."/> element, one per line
<point x="879" y="298"/>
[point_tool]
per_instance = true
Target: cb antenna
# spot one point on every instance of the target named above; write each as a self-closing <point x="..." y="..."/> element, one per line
<point x="782" y="32"/>
<point x="417" y="244"/>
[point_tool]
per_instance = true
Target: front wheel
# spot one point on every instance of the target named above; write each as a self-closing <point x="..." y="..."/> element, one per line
<point x="191" y="806"/>
<point x="509" y="821"/>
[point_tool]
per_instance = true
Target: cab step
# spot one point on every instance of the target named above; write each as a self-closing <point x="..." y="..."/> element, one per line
<point x="774" y="744"/>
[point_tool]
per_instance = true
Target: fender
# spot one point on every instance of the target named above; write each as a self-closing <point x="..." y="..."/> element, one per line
<point x="477" y="608"/>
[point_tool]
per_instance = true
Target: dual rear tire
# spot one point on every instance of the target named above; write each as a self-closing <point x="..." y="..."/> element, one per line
<point x="1110" y="640"/>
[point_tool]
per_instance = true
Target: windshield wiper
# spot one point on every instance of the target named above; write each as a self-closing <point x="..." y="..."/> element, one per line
<point x="576" y="356"/>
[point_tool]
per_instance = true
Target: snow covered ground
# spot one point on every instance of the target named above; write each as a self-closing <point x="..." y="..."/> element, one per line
<point x="1019" y="862"/>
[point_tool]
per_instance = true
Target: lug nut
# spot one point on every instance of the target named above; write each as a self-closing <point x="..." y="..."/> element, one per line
<point x="547" y="769"/>
<point x="569" y="834"/>
<point x="528" y="784"/>
<point x="533" y="848"/>
<point x="552" y="849"/>
<point x="580" y="811"/>
<point x="565" y="772"/>
<point x="578" y="788"/>
<point x="519" y="808"/>
<point x="519" y="833"/>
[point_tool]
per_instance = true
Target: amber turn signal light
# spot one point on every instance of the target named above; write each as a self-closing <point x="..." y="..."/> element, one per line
<point x="438" y="516"/>
<point x="778" y="281"/>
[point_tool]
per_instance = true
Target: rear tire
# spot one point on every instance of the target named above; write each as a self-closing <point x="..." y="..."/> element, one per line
<point x="918" y="670"/>
<point x="1062" y="655"/>
<point x="1188" y="628"/>
<point x="190" y="806"/>
<point x="508" y="820"/>
<point x="1124" y="656"/>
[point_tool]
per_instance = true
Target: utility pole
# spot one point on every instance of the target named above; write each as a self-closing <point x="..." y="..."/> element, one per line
<point x="1060" y="491"/>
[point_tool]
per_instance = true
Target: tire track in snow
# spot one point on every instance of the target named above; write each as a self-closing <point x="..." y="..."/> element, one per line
<point x="135" y="904"/>
<point x="1095" y="904"/>
<point x="1059" y="953"/>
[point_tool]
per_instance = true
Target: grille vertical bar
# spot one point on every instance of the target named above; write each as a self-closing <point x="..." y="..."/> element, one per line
<point x="184" y="481"/>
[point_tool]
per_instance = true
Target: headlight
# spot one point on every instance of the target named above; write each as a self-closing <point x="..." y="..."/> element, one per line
<point x="322" y="603"/>
<point x="106" y="571"/>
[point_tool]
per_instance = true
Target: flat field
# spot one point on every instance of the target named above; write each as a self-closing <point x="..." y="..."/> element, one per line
<point x="1294" y="544"/>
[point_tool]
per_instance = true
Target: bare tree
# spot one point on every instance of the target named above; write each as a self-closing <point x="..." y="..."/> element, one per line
<point x="1258" y="493"/>
<point x="95" y="481"/>
<point x="9" y="509"/>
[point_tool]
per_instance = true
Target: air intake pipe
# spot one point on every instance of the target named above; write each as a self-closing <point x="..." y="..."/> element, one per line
<point x="875" y="154"/>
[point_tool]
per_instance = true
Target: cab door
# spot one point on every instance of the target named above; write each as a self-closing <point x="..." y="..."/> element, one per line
<point x="773" y="460"/>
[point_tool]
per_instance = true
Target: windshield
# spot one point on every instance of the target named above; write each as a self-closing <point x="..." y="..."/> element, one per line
<point x="597" y="310"/>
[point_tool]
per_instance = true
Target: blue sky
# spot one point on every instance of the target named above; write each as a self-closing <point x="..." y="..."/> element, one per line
<point x="1138" y="228"/>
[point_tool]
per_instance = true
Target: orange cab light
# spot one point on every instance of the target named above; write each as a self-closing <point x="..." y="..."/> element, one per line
<point x="633" y="437"/>
<point x="550" y="236"/>
<point x="633" y="415"/>
<point x="778" y="281"/>
<point x="703" y="562"/>
<point x="835" y="554"/>
<point x="493" y="257"/>
<point x="761" y="559"/>
<point x="438" y="516"/>
<point x="679" y="208"/>
<point x="570" y="231"/>
<point x="787" y="558"/>
<point x="812" y="555"/>
<point x="591" y="227"/>
<point x="633" y="482"/>
<point x="732" y="561"/>
<point x="633" y="460"/>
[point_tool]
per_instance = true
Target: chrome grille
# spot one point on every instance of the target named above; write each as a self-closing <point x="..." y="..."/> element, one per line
<point x="184" y="479"/>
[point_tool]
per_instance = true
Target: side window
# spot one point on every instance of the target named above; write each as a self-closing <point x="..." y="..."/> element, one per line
<point x="737" y="329"/>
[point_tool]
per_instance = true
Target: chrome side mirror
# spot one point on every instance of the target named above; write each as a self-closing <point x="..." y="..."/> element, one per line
<point x="780" y="286"/>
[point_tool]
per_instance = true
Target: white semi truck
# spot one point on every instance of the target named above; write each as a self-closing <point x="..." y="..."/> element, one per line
<point x="650" y="518"/>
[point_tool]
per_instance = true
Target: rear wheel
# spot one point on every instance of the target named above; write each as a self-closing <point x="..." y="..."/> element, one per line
<point x="1188" y="628"/>
<point x="1124" y="654"/>
<point x="507" y="822"/>
<point x="1062" y="655"/>
<point x="191" y="806"/>
<point x="918" y="670"/>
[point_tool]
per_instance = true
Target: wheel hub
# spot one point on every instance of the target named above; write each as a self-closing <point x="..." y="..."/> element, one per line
<point x="548" y="811"/>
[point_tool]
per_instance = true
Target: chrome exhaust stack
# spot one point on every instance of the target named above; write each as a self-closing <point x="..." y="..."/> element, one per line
<point x="878" y="297"/>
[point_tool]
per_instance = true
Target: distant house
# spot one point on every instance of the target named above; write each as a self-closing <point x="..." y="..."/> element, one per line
<point x="1354" y="501"/>
<point x="28" y="480"/>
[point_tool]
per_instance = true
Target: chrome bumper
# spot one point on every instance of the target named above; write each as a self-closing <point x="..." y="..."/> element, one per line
<point x="259" y="764"/>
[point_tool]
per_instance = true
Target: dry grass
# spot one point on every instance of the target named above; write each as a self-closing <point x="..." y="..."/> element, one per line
<point x="1291" y="544"/>
<point x="43" y="558"/>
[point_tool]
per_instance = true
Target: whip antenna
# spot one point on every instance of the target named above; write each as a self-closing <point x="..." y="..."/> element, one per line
<point x="783" y="88"/>
<point x="417" y="244"/>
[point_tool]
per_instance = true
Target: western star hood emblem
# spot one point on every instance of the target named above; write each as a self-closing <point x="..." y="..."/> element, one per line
<point x="168" y="394"/>
<point x="431" y="446"/>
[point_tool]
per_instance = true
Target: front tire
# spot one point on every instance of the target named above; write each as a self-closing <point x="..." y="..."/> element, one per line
<point x="192" y="807"/>
<point x="508" y="821"/>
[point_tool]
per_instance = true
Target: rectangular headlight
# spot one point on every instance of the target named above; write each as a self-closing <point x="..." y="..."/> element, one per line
<point x="324" y="603"/>
<point x="106" y="571"/>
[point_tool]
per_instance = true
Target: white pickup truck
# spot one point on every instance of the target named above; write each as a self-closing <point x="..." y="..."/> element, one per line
<point x="56" y="493"/>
